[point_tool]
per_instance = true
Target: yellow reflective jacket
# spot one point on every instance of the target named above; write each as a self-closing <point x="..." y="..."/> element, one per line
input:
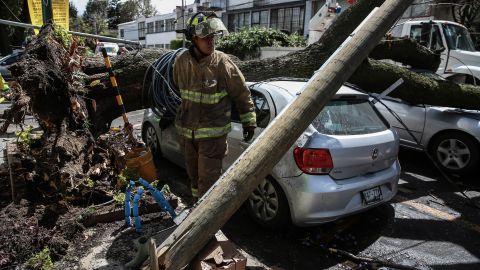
<point x="208" y="87"/>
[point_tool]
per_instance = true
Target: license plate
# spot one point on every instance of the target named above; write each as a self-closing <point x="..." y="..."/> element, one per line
<point x="372" y="195"/>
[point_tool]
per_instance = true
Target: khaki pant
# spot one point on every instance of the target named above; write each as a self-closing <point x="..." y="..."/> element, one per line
<point x="203" y="160"/>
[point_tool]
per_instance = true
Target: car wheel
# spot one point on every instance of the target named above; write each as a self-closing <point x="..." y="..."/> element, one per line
<point x="455" y="152"/>
<point x="268" y="206"/>
<point x="150" y="138"/>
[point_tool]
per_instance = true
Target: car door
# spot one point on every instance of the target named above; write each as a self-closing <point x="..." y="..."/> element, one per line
<point x="413" y="116"/>
<point x="265" y="112"/>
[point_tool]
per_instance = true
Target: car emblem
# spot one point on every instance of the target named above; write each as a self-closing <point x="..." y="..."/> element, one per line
<point x="375" y="153"/>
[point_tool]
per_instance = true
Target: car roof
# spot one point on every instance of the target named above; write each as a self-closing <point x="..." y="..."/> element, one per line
<point x="294" y="87"/>
<point x="434" y="21"/>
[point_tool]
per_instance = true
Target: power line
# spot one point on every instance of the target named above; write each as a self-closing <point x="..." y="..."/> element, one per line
<point x="10" y="11"/>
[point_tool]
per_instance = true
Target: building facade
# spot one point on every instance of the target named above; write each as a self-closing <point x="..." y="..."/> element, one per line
<point x="290" y="16"/>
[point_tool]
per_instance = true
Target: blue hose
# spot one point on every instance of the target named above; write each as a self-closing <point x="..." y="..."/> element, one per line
<point x="128" y="198"/>
<point x="163" y="93"/>
<point x="136" y="214"/>
<point x="158" y="196"/>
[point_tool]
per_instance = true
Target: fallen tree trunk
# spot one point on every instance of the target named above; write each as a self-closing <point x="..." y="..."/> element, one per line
<point x="65" y="106"/>
<point x="418" y="89"/>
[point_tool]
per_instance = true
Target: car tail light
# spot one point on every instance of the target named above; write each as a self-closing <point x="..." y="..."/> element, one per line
<point x="313" y="161"/>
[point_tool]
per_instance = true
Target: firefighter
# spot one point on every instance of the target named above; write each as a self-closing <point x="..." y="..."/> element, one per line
<point x="208" y="82"/>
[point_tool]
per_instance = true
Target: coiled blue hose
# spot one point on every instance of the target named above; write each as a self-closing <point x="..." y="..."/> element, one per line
<point x="162" y="92"/>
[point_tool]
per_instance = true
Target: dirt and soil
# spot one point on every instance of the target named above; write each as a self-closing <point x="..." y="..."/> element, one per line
<point x="81" y="236"/>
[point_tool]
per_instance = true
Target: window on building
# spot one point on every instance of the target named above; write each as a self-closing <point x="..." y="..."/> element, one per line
<point x="158" y="26"/>
<point x="264" y="18"/>
<point x="287" y="19"/>
<point x="241" y="22"/>
<point x="255" y="18"/>
<point x="167" y="46"/>
<point x="150" y="28"/>
<point x="246" y="19"/>
<point x="231" y="23"/>
<point x="237" y="21"/>
<point x="169" y="25"/>
<point x="141" y="30"/>
<point x="122" y="33"/>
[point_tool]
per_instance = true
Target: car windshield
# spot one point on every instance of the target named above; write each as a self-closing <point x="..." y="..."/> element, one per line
<point x="348" y="117"/>
<point x="458" y="37"/>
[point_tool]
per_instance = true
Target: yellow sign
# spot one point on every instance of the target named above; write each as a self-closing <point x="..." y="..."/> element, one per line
<point x="35" y="10"/>
<point x="59" y="8"/>
<point x="60" y="13"/>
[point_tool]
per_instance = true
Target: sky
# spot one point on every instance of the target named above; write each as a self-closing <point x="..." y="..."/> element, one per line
<point x="162" y="6"/>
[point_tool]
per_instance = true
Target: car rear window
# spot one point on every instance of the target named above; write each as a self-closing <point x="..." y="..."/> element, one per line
<point x="348" y="117"/>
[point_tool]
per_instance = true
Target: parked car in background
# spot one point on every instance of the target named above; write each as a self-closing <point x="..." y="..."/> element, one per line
<point x="7" y="61"/>
<point x="345" y="162"/>
<point x="450" y="135"/>
<point x="111" y="48"/>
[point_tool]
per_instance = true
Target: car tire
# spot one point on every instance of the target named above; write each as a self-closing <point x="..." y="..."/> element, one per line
<point x="267" y="205"/>
<point x="150" y="138"/>
<point x="455" y="152"/>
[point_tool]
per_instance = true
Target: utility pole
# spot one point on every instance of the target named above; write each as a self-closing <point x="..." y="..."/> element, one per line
<point x="236" y="184"/>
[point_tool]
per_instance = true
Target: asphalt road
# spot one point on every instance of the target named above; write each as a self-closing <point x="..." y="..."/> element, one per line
<point x="428" y="225"/>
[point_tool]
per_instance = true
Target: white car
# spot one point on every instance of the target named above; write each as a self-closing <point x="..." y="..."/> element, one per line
<point x="450" y="135"/>
<point x="345" y="161"/>
<point x="111" y="48"/>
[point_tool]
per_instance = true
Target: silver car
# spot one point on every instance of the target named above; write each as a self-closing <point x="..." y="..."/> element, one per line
<point x="450" y="135"/>
<point x="345" y="161"/>
<point x="7" y="61"/>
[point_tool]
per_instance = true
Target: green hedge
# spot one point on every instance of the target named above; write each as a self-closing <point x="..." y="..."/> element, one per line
<point x="247" y="42"/>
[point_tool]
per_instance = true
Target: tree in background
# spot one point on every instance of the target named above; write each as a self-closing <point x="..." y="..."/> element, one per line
<point x="467" y="12"/>
<point x="76" y="22"/>
<point x="128" y="12"/>
<point x="11" y="10"/>
<point x="95" y="15"/>
<point x="145" y="8"/>
<point x="113" y="12"/>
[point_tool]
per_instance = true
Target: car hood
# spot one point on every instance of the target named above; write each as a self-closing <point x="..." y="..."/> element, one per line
<point x="474" y="114"/>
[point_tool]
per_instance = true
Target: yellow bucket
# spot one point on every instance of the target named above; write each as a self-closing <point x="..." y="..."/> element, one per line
<point x="141" y="159"/>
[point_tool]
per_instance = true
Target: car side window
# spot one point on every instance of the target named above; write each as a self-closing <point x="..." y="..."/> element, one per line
<point x="262" y="109"/>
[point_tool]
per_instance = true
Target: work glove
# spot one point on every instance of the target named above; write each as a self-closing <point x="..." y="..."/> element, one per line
<point x="248" y="133"/>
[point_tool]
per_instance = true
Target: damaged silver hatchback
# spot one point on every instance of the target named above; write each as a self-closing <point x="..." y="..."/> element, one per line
<point x="345" y="162"/>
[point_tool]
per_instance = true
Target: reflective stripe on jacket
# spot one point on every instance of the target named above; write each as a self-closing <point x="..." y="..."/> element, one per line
<point x="208" y="87"/>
